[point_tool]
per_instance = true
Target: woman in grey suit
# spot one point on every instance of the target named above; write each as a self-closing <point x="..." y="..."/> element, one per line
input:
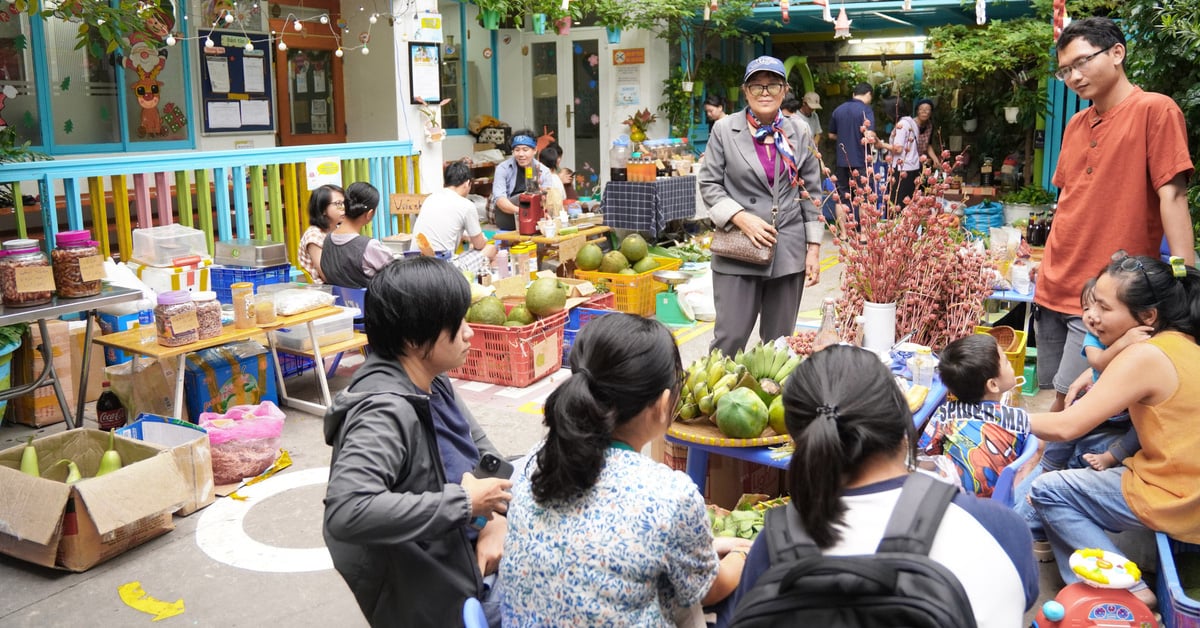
<point x="758" y="159"/>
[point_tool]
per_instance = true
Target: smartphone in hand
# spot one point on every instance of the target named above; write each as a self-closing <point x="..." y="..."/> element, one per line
<point x="493" y="466"/>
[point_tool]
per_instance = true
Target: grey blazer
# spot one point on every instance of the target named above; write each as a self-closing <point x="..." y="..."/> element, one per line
<point x="732" y="179"/>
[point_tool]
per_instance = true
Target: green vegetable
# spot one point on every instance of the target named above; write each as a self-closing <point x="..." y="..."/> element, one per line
<point x="12" y="334"/>
<point x="73" y="474"/>
<point x="29" y="459"/>
<point x="111" y="460"/>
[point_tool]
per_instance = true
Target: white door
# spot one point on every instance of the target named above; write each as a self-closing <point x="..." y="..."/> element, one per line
<point x="565" y="75"/>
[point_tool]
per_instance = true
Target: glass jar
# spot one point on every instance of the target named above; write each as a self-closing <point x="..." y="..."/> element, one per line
<point x="264" y="308"/>
<point x="208" y="314"/>
<point x="175" y="317"/>
<point x="243" y="304"/>
<point x="78" y="266"/>
<point x="25" y="274"/>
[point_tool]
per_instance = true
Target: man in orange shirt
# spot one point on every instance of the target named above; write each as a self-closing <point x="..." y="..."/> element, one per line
<point x="1122" y="175"/>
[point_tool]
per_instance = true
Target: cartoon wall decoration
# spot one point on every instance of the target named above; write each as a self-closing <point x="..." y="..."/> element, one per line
<point x="144" y="64"/>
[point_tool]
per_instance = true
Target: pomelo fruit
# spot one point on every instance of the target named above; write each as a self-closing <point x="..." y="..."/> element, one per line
<point x="520" y="315"/>
<point x="634" y="247"/>
<point x="488" y="311"/>
<point x="589" y="257"/>
<point x="645" y="265"/>
<point x="545" y="297"/>
<point x="613" y="262"/>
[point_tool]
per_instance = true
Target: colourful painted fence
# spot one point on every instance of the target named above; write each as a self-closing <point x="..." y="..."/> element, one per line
<point x="258" y="193"/>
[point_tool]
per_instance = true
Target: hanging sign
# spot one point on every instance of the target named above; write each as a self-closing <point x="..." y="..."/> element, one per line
<point x="629" y="56"/>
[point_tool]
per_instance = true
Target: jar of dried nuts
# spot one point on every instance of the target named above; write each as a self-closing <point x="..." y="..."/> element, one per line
<point x="78" y="267"/>
<point x="208" y="314"/>
<point x="176" y="319"/>
<point x="25" y="274"/>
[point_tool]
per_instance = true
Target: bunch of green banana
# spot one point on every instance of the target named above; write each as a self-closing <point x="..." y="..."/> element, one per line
<point x="769" y="365"/>
<point x="707" y="380"/>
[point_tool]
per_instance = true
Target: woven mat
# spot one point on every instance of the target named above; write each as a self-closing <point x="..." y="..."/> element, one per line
<point x="705" y="433"/>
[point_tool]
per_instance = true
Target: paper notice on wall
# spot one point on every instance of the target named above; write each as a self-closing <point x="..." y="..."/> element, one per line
<point x="218" y="74"/>
<point x="319" y="81"/>
<point x="224" y="115"/>
<point x="323" y="170"/>
<point x="628" y="75"/>
<point x="629" y="94"/>
<point x="256" y="112"/>
<point x="320" y="124"/>
<point x="253" y="70"/>
<point x="429" y="27"/>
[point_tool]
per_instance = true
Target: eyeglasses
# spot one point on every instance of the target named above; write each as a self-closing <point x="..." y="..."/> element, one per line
<point x="338" y="203"/>
<point x="1129" y="264"/>
<point x="771" y="89"/>
<point x="1065" y="71"/>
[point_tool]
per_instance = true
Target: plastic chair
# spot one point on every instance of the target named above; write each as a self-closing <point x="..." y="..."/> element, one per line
<point x="352" y="298"/>
<point x="473" y="616"/>
<point x="1003" y="491"/>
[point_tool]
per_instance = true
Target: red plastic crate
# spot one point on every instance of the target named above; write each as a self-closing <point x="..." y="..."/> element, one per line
<point x="514" y="356"/>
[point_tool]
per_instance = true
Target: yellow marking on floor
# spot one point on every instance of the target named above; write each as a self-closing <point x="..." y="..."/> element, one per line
<point x="829" y="262"/>
<point x="531" y="407"/>
<point x="688" y="334"/>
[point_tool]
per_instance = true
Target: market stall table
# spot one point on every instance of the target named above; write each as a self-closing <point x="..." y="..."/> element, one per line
<point x="697" y="455"/>
<point x="649" y="206"/>
<point x="59" y="306"/>
<point x="588" y="234"/>
<point x="131" y="342"/>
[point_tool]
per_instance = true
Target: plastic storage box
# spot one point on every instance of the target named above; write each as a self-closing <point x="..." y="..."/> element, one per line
<point x="192" y="276"/>
<point x="330" y="329"/>
<point x="1177" y="609"/>
<point x="251" y="253"/>
<point x="225" y="276"/>
<point x="163" y="246"/>
<point x="635" y="293"/>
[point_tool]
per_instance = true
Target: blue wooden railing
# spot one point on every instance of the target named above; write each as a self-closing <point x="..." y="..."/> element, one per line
<point x="258" y="193"/>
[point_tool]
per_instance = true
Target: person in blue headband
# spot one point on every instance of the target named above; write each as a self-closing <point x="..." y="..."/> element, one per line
<point x="509" y="181"/>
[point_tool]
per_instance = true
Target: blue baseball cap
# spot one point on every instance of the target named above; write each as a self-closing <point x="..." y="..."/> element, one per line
<point x="765" y="64"/>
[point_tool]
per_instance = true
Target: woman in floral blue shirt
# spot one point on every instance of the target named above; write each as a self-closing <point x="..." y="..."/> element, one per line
<point x="598" y="534"/>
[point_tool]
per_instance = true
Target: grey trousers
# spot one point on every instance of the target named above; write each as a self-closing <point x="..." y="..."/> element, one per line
<point x="774" y="302"/>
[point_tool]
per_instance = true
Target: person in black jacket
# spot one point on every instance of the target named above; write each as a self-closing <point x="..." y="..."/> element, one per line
<point x="410" y="528"/>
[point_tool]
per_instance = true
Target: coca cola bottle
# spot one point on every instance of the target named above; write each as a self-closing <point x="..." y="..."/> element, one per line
<point x="110" y="414"/>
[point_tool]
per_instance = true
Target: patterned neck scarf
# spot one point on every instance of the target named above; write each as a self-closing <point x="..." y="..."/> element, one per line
<point x="779" y="139"/>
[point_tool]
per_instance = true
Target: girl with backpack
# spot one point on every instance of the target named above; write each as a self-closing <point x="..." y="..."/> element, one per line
<point x="853" y="459"/>
<point x="598" y="534"/>
<point x="1157" y="488"/>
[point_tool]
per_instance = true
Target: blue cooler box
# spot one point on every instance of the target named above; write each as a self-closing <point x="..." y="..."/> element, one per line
<point x="112" y="323"/>
<point x="235" y="374"/>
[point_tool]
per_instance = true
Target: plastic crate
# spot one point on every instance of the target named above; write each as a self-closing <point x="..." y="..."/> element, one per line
<point x="634" y="293"/>
<point x="598" y="301"/>
<point x="1016" y="357"/>
<point x="582" y="315"/>
<point x="1177" y="609"/>
<point x="514" y="356"/>
<point x="225" y="276"/>
<point x="293" y="365"/>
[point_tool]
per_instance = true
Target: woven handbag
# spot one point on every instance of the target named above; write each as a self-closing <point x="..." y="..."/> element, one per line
<point x="735" y="244"/>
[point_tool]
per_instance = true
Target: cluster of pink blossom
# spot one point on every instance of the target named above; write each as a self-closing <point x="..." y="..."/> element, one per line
<point x="911" y="253"/>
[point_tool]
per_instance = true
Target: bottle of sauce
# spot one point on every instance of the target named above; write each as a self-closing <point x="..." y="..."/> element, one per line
<point x="110" y="414"/>
<point x="828" y="334"/>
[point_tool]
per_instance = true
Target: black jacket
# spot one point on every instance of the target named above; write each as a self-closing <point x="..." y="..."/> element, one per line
<point x="395" y="528"/>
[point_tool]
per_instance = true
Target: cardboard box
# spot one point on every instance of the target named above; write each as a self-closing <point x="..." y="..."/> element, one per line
<point x="112" y="323"/>
<point x="727" y="479"/>
<point x="96" y="375"/>
<point x="77" y="526"/>
<point x="230" y="375"/>
<point x="40" y="408"/>
<point x="189" y="447"/>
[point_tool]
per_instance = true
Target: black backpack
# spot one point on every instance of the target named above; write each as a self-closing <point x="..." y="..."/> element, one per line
<point x="898" y="585"/>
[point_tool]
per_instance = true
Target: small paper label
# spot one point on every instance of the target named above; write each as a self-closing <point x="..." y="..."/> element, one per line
<point x="183" y="323"/>
<point x="569" y="248"/>
<point x="34" y="279"/>
<point x="546" y="356"/>
<point x="91" y="268"/>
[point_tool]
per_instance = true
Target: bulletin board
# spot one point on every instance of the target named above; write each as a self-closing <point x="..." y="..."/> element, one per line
<point x="236" y="84"/>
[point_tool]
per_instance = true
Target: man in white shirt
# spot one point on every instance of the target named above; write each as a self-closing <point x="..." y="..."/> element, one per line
<point x="447" y="218"/>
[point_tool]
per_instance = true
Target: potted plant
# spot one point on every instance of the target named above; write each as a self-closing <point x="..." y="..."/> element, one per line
<point x="490" y="12"/>
<point x="677" y="102"/>
<point x="638" y="123"/>
<point x="614" y="15"/>
<point x="1021" y="204"/>
<point x="562" y="19"/>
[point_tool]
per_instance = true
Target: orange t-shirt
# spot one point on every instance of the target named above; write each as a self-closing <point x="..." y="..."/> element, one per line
<point x="1162" y="486"/>
<point x="1109" y="171"/>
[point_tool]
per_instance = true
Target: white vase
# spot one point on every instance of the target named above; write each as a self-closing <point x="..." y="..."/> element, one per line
<point x="879" y="326"/>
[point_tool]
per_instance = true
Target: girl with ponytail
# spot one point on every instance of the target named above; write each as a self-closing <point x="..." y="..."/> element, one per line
<point x="854" y="441"/>
<point x="349" y="258"/>
<point x="597" y="533"/>
<point x="1159" y="486"/>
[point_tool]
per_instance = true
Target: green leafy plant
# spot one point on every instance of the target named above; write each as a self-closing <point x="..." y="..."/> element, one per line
<point x="1029" y="195"/>
<point x="103" y="27"/>
<point x="13" y="150"/>
<point x="12" y="334"/>
<point x="677" y="104"/>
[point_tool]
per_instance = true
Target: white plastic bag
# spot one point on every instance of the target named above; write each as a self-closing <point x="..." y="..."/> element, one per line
<point x="297" y="300"/>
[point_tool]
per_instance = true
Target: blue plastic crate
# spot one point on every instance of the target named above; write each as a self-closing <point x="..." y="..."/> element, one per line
<point x="293" y="365"/>
<point x="225" y="276"/>
<point x="1177" y="609"/>
<point x="583" y="315"/>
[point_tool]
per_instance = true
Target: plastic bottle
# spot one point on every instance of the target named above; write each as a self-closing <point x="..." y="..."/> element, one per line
<point x="145" y="313"/>
<point x="828" y="334"/>
<point x="921" y="366"/>
<point x="503" y="270"/>
<point x="618" y="159"/>
<point x="110" y="414"/>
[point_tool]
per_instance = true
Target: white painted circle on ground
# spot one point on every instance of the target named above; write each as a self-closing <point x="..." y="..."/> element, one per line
<point x="221" y="535"/>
